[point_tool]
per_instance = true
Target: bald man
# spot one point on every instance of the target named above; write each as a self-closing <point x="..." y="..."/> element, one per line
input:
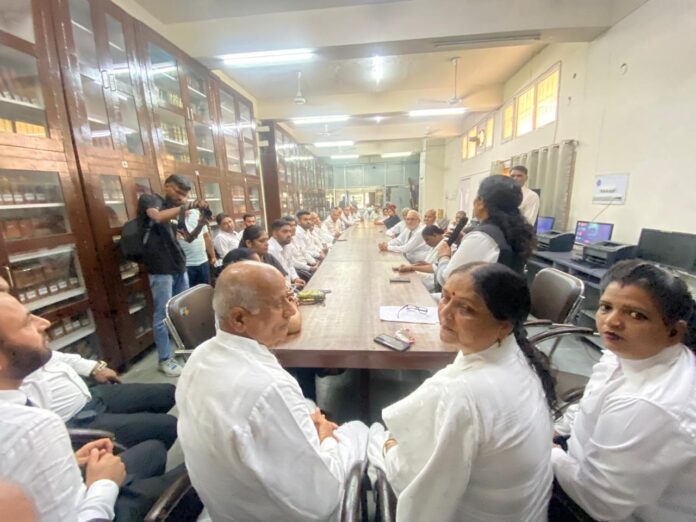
<point x="254" y="449"/>
<point x="410" y="242"/>
<point x="430" y="217"/>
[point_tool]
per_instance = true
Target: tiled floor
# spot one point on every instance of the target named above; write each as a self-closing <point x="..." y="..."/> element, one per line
<point x="339" y="395"/>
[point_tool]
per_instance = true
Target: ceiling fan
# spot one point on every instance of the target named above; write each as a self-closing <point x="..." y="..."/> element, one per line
<point x="299" y="98"/>
<point x="455" y="99"/>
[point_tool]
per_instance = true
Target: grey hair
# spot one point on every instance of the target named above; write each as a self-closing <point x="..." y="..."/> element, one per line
<point x="236" y="293"/>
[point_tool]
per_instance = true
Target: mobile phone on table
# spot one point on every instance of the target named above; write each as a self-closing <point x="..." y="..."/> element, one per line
<point x="392" y="343"/>
<point x="399" y="280"/>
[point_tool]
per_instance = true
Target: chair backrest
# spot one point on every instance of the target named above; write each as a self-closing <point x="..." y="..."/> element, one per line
<point x="190" y="316"/>
<point x="556" y="296"/>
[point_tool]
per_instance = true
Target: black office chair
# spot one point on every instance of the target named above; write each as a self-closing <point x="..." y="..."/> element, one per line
<point x="556" y="298"/>
<point x="190" y="318"/>
<point x="179" y="502"/>
<point x="81" y="436"/>
<point x="385" y="498"/>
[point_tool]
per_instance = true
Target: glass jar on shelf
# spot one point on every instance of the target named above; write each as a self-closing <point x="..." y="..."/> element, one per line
<point x="211" y="193"/>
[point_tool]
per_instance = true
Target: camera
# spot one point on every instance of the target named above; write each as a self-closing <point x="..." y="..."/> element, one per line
<point x="203" y="209"/>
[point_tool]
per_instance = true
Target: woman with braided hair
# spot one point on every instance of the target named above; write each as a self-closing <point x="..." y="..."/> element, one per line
<point x="472" y="442"/>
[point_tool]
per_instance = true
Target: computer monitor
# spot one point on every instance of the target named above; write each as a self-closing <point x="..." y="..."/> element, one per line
<point x="587" y="232"/>
<point x="544" y="224"/>
<point x="676" y="249"/>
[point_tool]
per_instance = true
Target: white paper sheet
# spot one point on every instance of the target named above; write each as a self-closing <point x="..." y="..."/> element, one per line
<point x="426" y="315"/>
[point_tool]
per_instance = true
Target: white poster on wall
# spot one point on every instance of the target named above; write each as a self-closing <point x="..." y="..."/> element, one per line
<point x="610" y="188"/>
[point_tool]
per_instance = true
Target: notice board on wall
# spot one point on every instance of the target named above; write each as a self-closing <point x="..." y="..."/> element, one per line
<point x="610" y="188"/>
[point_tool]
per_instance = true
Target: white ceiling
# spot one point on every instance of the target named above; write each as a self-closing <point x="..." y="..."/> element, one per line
<point x="493" y="39"/>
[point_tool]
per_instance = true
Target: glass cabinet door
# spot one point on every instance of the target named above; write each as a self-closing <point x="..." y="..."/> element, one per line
<point x="165" y="76"/>
<point x="247" y="127"/>
<point x="114" y="200"/>
<point x="197" y="95"/>
<point x="31" y="205"/>
<point x="174" y="136"/>
<point x="230" y="131"/>
<point x="142" y="186"/>
<point x="22" y="109"/>
<point x="123" y="84"/>
<point x="211" y="193"/>
<point x="94" y="85"/>
<point x="255" y="198"/>
<point x="238" y="200"/>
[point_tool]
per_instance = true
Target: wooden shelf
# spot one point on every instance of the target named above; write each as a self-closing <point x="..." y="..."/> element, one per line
<point x="42" y="253"/>
<point x="72" y="337"/>
<point x="24" y="206"/>
<point x="56" y="298"/>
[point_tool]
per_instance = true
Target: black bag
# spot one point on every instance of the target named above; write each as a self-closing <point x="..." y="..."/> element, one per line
<point x="133" y="241"/>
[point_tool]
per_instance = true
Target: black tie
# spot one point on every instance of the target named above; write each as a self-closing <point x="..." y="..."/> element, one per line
<point x="410" y="235"/>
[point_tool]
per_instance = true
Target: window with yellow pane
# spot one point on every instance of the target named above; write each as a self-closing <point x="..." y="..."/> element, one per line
<point x="508" y="121"/>
<point x="547" y="99"/>
<point x="525" y="112"/>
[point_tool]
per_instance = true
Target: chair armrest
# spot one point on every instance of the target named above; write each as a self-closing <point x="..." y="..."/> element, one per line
<point x="353" y="502"/>
<point x="170" y="499"/>
<point x="385" y="498"/>
<point x="560" y="332"/>
<point x="537" y="322"/>
<point x="81" y="436"/>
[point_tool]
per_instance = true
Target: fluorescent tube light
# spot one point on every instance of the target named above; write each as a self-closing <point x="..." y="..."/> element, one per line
<point x="345" y="156"/>
<point x="378" y="69"/>
<point x="437" y="112"/>
<point x="261" y="58"/>
<point x="321" y="119"/>
<point x="323" y="144"/>
<point x="396" y="154"/>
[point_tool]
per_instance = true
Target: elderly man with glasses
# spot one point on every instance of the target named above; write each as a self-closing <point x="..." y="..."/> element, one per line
<point x="410" y="241"/>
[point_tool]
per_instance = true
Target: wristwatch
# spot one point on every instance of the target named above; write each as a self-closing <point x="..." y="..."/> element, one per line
<point x="98" y="367"/>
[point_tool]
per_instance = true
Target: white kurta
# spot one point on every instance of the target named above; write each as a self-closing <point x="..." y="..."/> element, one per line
<point x="632" y="447"/>
<point x="474" y="442"/>
<point x="475" y="246"/>
<point x="283" y="255"/>
<point x="411" y="244"/>
<point x="396" y="229"/>
<point x="251" y="448"/>
<point x="225" y="241"/>
<point x="333" y="227"/>
<point x="529" y="207"/>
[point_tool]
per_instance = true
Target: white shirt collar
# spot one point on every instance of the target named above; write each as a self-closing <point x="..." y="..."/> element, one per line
<point x="14" y="397"/>
<point x="491" y="354"/>
<point x="641" y="370"/>
<point x="250" y="346"/>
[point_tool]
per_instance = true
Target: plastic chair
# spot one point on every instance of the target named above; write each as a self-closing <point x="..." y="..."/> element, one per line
<point x="190" y="318"/>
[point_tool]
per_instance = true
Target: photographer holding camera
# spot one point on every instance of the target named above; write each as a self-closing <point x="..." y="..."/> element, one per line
<point x="163" y="219"/>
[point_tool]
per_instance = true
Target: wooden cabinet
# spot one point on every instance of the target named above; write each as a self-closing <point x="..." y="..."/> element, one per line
<point x="293" y="178"/>
<point x="46" y="246"/>
<point x="96" y="109"/>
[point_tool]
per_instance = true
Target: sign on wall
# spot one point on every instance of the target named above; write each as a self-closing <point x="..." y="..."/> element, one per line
<point x="610" y="188"/>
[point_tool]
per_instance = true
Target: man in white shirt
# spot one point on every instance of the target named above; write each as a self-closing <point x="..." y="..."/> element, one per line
<point x="530" y="199"/>
<point x="410" y="242"/>
<point x="281" y="233"/>
<point x="254" y="449"/>
<point x="430" y="217"/>
<point x="304" y="238"/>
<point x="198" y="250"/>
<point x="304" y="262"/>
<point x="133" y="412"/>
<point x="35" y="448"/>
<point x="346" y="217"/>
<point x="319" y="233"/>
<point x="397" y="229"/>
<point x="333" y="224"/>
<point x="227" y="237"/>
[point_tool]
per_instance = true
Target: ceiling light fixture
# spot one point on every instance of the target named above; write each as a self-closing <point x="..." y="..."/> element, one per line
<point x="478" y="40"/>
<point x="378" y="68"/>
<point x="396" y="154"/>
<point x="321" y="119"/>
<point x="437" y="112"/>
<point x="378" y="119"/>
<point x="262" y="58"/>
<point x="345" y="156"/>
<point x="324" y="144"/>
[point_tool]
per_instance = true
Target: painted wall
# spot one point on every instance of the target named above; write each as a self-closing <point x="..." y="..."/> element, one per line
<point x="637" y="122"/>
<point x="432" y="168"/>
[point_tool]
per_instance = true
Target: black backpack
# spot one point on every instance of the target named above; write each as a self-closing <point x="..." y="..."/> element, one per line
<point x="132" y="241"/>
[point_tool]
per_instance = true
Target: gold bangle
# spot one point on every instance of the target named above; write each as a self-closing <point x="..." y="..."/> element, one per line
<point x="98" y="367"/>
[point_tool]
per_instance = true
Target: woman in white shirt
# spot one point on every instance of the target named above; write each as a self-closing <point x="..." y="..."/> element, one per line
<point x="472" y="442"/>
<point x="503" y="236"/>
<point x="632" y="446"/>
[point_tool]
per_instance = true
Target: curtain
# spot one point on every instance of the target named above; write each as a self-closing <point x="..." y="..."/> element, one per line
<point x="551" y="170"/>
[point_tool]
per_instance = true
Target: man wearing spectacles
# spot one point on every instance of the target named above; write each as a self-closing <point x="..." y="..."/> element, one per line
<point x="410" y="242"/>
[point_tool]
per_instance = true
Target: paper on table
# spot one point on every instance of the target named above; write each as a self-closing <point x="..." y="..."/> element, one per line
<point x="407" y="315"/>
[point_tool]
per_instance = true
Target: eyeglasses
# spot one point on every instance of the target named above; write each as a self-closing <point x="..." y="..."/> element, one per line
<point x="412" y="308"/>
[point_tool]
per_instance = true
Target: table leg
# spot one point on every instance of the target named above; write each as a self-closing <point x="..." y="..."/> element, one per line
<point x="364" y="395"/>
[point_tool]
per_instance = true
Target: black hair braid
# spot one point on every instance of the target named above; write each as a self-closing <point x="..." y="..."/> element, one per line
<point x="519" y="234"/>
<point x="539" y="362"/>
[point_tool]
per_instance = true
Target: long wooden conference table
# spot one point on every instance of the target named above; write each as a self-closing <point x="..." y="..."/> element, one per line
<point x="340" y="332"/>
